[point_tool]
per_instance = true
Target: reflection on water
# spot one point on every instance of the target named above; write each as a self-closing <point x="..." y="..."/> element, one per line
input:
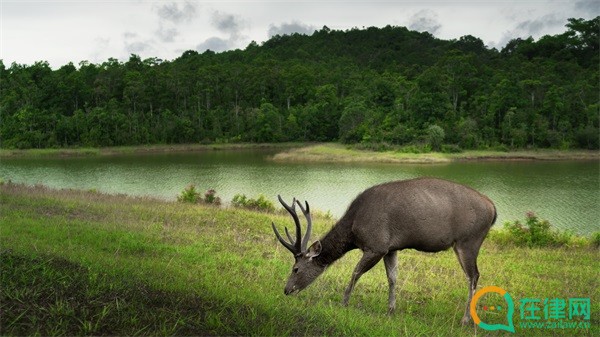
<point x="567" y="192"/>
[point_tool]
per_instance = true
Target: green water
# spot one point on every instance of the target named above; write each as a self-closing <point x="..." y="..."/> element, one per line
<point x="567" y="192"/>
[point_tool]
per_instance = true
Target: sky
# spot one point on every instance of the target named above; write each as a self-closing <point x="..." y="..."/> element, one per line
<point x="66" y="31"/>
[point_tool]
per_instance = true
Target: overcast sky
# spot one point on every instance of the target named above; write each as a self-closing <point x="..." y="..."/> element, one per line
<point x="71" y="31"/>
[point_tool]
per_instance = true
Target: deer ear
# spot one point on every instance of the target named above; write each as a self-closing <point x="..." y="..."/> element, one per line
<point x="314" y="250"/>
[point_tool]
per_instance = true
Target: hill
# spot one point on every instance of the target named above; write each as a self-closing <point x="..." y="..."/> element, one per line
<point x="374" y="85"/>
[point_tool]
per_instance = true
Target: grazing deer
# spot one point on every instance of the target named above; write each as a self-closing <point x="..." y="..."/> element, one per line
<point x="426" y="214"/>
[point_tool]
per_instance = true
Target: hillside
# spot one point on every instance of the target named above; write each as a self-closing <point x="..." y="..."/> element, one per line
<point x="374" y="85"/>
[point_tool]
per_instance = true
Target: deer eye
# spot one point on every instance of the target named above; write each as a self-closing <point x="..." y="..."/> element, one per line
<point x="295" y="270"/>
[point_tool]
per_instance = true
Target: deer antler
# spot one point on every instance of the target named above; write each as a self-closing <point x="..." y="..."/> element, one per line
<point x="306" y="212"/>
<point x="298" y="245"/>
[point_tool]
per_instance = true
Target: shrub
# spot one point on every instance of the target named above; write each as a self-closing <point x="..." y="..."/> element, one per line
<point x="451" y="148"/>
<point x="536" y="232"/>
<point x="435" y="136"/>
<point x="414" y="149"/>
<point x="239" y="200"/>
<point x="210" y="197"/>
<point x="595" y="242"/>
<point x="261" y="203"/>
<point x="500" y="148"/>
<point x="378" y="147"/>
<point x="189" y="194"/>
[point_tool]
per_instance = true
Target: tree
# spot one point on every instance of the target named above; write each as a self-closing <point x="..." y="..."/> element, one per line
<point x="467" y="130"/>
<point x="361" y="85"/>
<point x="435" y="137"/>
<point x="324" y="114"/>
<point x="268" y="123"/>
<point x="291" y="129"/>
<point x="585" y="39"/>
<point x="351" y="122"/>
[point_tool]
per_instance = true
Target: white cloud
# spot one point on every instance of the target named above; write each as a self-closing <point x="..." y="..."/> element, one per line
<point x="101" y="44"/>
<point x="134" y="44"/>
<point x="538" y="25"/>
<point x="171" y="16"/>
<point x="225" y="23"/>
<point x="290" y="28"/>
<point x="177" y="12"/>
<point x="590" y="7"/>
<point x="215" y="44"/>
<point x="167" y="34"/>
<point x="425" y="21"/>
<point x="63" y="31"/>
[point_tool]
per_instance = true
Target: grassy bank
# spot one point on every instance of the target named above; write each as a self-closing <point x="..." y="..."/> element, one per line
<point x="77" y="262"/>
<point x="78" y="152"/>
<point x="334" y="152"/>
<point x="322" y="152"/>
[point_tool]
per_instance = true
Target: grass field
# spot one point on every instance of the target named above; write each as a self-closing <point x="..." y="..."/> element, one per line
<point x="334" y="152"/>
<point x="91" y="151"/>
<point x="84" y="263"/>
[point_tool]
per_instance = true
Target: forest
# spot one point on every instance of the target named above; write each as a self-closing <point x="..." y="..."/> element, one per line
<point x="384" y="85"/>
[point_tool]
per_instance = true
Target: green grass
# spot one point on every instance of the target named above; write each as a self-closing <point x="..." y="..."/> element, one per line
<point x="74" y="152"/>
<point x="322" y="152"/>
<point x="81" y="263"/>
<point x="85" y="151"/>
<point x="334" y="152"/>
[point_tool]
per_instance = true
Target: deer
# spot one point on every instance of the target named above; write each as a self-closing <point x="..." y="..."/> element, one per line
<point x="425" y="214"/>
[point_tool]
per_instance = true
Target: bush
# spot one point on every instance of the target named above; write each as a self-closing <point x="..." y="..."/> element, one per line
<point x="596" y="240"/>
<point x="451" y="148"/>
<point x="500" y="148"/>
<point x="210" y="197"/>
<point x="435" y="136"/>
<point x="261" y="203"/>
<point x="536" y="232"/>
<point x="371" y="146"/>
<point x="414" y="149"/>
<point x="191" y="195"/>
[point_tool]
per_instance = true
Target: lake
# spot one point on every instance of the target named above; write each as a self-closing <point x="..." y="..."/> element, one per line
<point x="565" y="192"/>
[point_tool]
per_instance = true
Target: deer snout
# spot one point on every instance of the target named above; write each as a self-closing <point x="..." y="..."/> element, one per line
<point x="290" y="290"/>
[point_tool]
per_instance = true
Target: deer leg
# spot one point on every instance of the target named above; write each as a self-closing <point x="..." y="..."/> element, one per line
<point x="391" y="263"/>
<point x="368" y="260"/>
<point x="467" y="256"/>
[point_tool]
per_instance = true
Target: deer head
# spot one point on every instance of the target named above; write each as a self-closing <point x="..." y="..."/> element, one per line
<point x="305" y="269"/>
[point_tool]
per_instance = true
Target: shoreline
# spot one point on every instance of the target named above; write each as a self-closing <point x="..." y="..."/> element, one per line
<point x="318" y="152"/>
<point x="141" y="149"/>
<point x="333" y="152"/>
<point x="41" y="191"/>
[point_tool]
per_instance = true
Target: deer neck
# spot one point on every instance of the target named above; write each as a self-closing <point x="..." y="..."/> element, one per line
<point x="335" y="244"/>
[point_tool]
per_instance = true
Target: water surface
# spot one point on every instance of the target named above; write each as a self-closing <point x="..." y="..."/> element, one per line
<point x="566" y="192"/>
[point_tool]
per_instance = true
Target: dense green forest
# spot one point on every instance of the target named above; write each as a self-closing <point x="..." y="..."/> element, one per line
<point x="375" y="85"/>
